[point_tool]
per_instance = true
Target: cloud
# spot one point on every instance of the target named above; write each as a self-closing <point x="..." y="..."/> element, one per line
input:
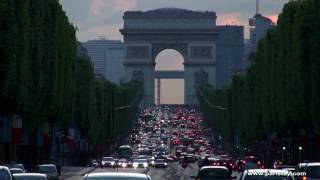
<point x="229" y="19"/>
<point x="125" y="5"/>
<point x="108" y="7"/>
<point x="274" y="18"/>
<point x="104" y="18"/>
<point x="107" y="31"/>
<point x="97" y="7"/>
<point x="97" y="14"/>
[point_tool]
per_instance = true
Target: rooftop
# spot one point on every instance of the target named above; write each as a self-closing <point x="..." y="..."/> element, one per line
<point x="169" y="12"/>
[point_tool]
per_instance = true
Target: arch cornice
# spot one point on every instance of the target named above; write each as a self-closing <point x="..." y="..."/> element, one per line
<point x="182" y="48"/>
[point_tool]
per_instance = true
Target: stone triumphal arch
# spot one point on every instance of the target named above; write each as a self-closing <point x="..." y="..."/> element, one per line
<point x="191" y="33"/>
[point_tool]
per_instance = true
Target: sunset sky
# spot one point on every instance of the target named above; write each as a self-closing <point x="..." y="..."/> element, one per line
<point x="96" y="18"/>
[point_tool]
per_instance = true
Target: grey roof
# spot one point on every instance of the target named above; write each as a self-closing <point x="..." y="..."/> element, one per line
<point x="169" y="9"/>
<point x="169" y="12"/>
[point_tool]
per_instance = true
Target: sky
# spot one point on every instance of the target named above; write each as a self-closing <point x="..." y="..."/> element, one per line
<point x="103" y="18"/>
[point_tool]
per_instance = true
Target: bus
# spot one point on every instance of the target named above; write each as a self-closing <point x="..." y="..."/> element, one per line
<point x="125" y="151"/>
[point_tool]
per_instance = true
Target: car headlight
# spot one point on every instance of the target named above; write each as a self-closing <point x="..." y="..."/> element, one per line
<point x="119" y="163"/>
<point x="102" y="162"/>
<point x="124" y="165"/>
<point x="152" y="162"/>
<point x="145" y="164"/>
<point x="135" y="165"/>
<point x="112" y="163"/>
<point x="165" y="164"/>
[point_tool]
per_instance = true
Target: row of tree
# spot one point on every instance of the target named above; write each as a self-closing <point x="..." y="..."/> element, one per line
<point x="44" y="81"/>
<point x="280" y="92"/>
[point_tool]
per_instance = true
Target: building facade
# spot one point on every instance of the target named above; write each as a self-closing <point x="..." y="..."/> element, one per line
<point x="259" y="28"/>
<point x="230" y="53"/>
<point x="107" y="57"/>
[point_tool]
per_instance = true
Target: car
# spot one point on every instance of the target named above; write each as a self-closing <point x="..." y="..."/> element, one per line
<point x="290" y="169"/>
<point x="229" y="163"/>
<point x="247" y="166"/>
<point x="190" y="158"/>
<point x="16" y="170"/>
<point x="213" y="172"/>
<point x="93" y="163"/>
<point x="136" y="163"/>
<point x="175" y="142"/>
<point x="301" y="167"/>
<point x="50" y="170"/>
<point x="123" y="163"/>
<point x="107" y="162"/>
<point x="150" y="160"/>
<point x="278" y="164"/>
<point x="30" y="176"/>
<point x="5" y="173"/>
<point x="16" y="165"/>
<point x="313" y="171"/>
<point x="160" y="163"/>
<point x="266" y="174"/>
<point x="178" y="153"/>
<point x="175" y="133"/>
<point x="117" y="176"/>
<point x="170" y="158"/>
<point x="253" y="159"/>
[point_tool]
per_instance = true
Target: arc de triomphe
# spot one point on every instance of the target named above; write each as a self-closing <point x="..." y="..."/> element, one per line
<point x="191" y="33"/>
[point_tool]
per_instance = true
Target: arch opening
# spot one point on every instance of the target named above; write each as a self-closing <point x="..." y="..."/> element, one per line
<point x="171" y="88"/>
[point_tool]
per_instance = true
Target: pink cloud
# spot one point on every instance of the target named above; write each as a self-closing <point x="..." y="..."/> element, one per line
<point x="274" y="18"/>
<point x="109" y="7"/>
<point x="91" y="27"/>
<point x="229" y="19"/>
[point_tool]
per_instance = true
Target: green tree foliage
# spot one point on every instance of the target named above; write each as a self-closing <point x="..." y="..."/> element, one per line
<point x="214" y="104"/>
<point x="44" y="81"/>
<point x="38" y="48"/>
<point x="281" y="89"/>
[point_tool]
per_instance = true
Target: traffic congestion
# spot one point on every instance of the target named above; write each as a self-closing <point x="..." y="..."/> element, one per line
<point x="171" y="142"/>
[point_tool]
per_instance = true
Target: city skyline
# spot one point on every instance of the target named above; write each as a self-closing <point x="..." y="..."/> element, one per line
<point x="103" y="18"/>
<point x="96" y="18"/>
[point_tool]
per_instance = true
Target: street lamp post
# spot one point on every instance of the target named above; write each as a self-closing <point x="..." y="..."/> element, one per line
<point x="300" y="152"/>
<point x="283" y="150"/>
